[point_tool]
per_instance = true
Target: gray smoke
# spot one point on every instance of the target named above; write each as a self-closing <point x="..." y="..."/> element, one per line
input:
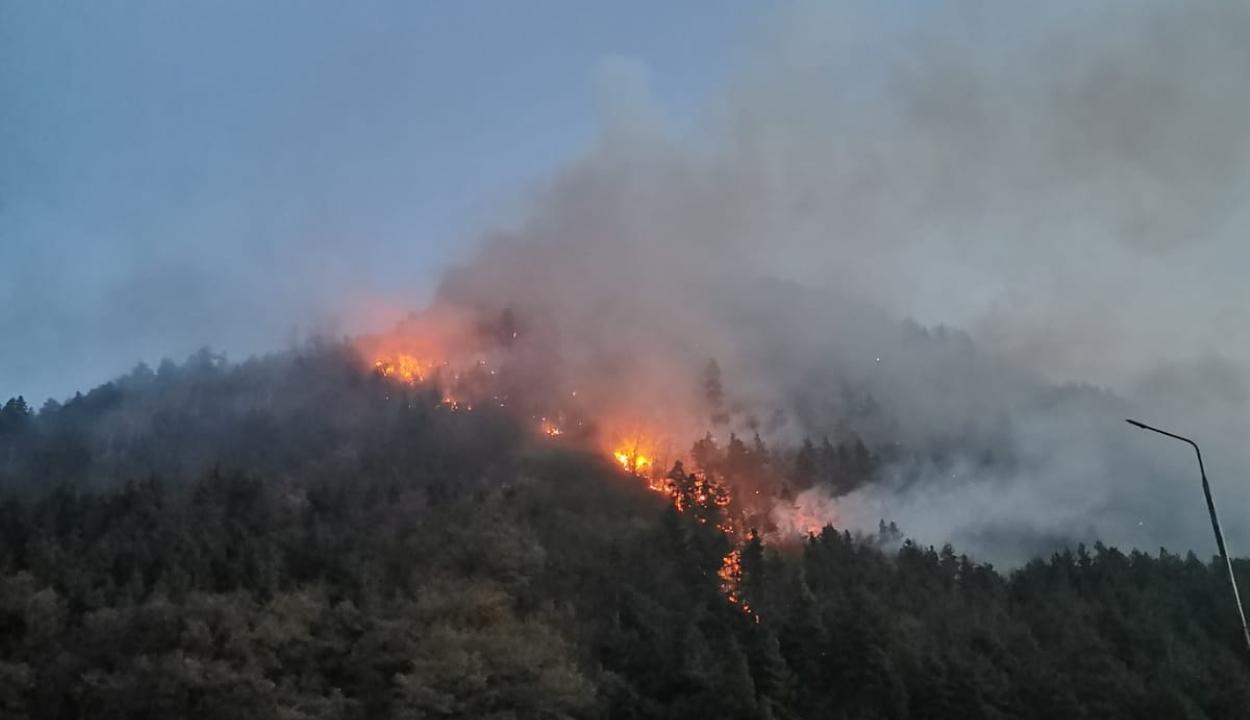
<point x="1061" y="186"/>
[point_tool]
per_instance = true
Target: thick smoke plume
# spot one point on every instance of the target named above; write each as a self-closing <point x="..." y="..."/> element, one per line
<point x="943" y="239"/>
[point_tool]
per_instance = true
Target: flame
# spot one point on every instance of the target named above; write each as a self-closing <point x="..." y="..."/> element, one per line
<point x="698" y="492"/>
<point x="445" y="352"/>
<point x="632" y="461"/>
<point x="640" y="453"/>
<point x="730" y="574"/>
<point x="404" y="367"/>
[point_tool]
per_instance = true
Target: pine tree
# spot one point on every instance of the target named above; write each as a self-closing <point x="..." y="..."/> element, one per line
<point x="714" y="393"/>
<point x="805" y="465"/>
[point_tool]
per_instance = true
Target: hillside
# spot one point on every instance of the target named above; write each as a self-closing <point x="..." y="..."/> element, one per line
<point x="294" y="537"/>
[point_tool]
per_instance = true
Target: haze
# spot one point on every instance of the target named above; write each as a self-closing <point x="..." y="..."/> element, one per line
<point x="1062" y="185"/>
<point x="226" y="174"/>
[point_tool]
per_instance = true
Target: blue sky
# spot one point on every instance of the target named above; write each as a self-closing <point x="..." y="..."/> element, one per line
<point x="1063" y="180"/>
<point x="176" y="174"/>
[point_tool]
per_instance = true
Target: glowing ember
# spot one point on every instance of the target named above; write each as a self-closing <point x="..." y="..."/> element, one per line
<point x="404" y="368"/>
<point x="730" y="574"/>
<point x="455" y="361"/>
<point x="633" y="462"/>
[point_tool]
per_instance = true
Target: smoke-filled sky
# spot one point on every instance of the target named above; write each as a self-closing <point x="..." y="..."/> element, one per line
<point x="234" y="173"/>
<point x="1063" y="184"/>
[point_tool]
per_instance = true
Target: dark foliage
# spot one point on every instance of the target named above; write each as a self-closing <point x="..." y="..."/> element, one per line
<point x="291" y="538"/>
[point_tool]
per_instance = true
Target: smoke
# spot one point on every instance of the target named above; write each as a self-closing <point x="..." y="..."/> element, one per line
<point x="944" y="234"/>
<point x="978" y="236"/>
<point x="811" y="509"/>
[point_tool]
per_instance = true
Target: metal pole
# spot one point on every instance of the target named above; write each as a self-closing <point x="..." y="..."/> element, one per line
<point x="1215" y="521"/>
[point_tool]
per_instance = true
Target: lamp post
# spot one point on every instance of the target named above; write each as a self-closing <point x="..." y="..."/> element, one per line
<point x="1215" y="522"/>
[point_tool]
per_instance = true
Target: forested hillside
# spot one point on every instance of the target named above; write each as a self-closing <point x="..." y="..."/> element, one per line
<point x="293" y="537"/>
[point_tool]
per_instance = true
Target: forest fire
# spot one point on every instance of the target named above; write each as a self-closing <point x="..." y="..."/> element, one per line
<point x="639" y="453"/>
<point x="735" y="486"/>
<point x="702" y="496"/>
<point x="632" y="461"/>
<point x="730" y="574"/>
<point x="405" y="368"/>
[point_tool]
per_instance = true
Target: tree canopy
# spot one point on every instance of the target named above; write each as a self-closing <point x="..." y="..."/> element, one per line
<point x="297" y="539"/>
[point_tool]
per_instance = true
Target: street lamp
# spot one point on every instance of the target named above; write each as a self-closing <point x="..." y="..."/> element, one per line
<point x="1215" y="522"/>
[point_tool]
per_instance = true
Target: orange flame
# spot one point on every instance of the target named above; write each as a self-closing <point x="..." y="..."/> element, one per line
<point x="405" y="368"/>
<point x="632" y="461"/>
<point x="439" y="349"/>
<point x="730" y="573"/>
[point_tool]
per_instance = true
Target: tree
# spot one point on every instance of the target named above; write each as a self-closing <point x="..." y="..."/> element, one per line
<point x="714" y="393"/>
<point x="806" y="460"/>
<point x="475" y="659"/>
<point x="15" y="418"/>
<point x="706" y="454"/>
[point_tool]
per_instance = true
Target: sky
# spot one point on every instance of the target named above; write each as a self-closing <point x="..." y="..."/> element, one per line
<point x="239" y="175"/>
<point x="1063" y="183"/>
